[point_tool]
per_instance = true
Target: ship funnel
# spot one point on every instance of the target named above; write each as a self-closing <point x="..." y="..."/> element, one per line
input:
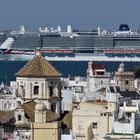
<point x="51" y="29"/>
<point x="22" y="29"/>
<point x="46" y="29"/>
<point x="69" y="30"/>
<point x="99" y="30"/>
<point x="59" y="28"/>
<point x="124" y="27"/>
<point x="43" y="30"/>
<point x="40" y="28"/>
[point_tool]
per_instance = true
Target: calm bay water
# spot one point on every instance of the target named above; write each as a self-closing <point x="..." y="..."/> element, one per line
<point x="8" y="69"/>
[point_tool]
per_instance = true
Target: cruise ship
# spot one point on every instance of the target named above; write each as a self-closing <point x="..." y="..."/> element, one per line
<point x="71" y="45"/>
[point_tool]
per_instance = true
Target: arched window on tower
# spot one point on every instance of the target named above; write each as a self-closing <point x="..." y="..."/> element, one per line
<point x="53" y="107"/>
<point x="51" y="90"/>
<point x="19" y="117"/>
<point x="36" y="90"/>
<point x="5" y="105"/>
<point x="126" y="82"/>
<point x="21" y="89"/>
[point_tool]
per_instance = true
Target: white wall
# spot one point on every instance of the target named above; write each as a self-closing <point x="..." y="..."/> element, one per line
<point x="127" y="128"/>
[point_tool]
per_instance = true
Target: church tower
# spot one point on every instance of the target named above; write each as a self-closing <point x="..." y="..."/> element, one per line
<point x="41" y="129"/>
<point x="97" y="77"/>
<point x="39" y="80"/>
<point x="123" y="79"/>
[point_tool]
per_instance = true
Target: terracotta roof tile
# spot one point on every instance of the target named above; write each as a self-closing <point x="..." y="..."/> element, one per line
<point x="25" y="125"/>
<point x="38" y="67"/>
<point x="67" y="120"/>
<point x="6" y="116"/>
<point x="29" y="109"/>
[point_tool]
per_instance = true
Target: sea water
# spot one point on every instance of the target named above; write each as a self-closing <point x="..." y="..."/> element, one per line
<point x="8" y="69"/>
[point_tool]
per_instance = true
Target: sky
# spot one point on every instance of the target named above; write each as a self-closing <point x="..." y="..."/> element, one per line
<point x="80" y="14"/>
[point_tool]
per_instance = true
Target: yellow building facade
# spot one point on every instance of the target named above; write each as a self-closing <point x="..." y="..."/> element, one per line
<point x="93" y="120"/>
<point x="41" y="129"/>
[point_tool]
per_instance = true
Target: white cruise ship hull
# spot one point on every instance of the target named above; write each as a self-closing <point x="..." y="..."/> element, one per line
<point x="25" y="57"/>
<point x="94" y="58"/>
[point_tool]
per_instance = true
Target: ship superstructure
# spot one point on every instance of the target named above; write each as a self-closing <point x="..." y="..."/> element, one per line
<point x="74" y="45"/>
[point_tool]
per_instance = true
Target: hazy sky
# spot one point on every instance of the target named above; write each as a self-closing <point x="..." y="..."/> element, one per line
<point x="81" y="14"/>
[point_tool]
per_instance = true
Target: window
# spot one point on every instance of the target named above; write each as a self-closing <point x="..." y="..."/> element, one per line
<point x="78" y="89"/>
<point x="19" y="117"/>
<point x="103" y="114"/>
<point x="5" y="105"/>
<point x="117" y="89"/>
<point x="51" y="90"/>
<point x="9" y="105"/>
<point x="36" y="90"/>
<point x="126" y="82"/>
<point x="94" y="125"/>
<point x="53" y="107"/>
<point x="100" y="73"/>
<point x="112" y="89"/>
<point x="21" y="88"/>
<point x="18" y="102"/>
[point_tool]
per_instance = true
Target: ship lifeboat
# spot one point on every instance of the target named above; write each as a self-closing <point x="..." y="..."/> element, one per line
<point x="57" y="51"/>
<point x="127" y="51"/>
<point x="117" y="51"/>
<point x="47" y="51"/>
<point x="136" y="51"/>
<point x="43" y="51"/>
<point x="108" y="51"/>
<point x="38" y="51"/>
<point x="67" y="51"/>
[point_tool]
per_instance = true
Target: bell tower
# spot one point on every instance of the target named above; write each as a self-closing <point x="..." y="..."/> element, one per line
<point x="39" y="80"/>
<point x="124" y="79"/>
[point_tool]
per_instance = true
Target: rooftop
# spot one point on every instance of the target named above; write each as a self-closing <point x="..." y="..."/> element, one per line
<point x="38" y="67"/>
<point x="29" y="109"/>
<point x="98" y="66"/>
